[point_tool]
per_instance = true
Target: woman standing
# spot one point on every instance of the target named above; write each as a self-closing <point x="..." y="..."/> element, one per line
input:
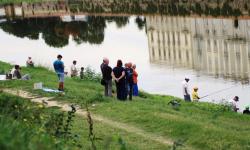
<point x="135" y="80"/>
<point x="118" y="75"/>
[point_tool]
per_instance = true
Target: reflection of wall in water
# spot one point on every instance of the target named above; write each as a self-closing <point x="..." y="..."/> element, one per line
<point x="45" y="9"/>
<point x="2" y="11"/>
<point x="219" y="47"/>
<point x="170" y="40"/>
<point x="25" y="10"/>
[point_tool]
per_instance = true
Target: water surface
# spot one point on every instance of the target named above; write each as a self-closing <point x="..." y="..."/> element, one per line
<point x="213" y="52"/>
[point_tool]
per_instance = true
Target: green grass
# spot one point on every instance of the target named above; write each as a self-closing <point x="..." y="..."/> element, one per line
<point x="24" y="125"/>
<point x="198" y="125"/>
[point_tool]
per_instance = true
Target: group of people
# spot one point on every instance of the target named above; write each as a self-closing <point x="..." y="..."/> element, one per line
<point x="15" y="72"/>
<point x="195" y="97"/>
<point x="60" y="71"/>
<point x="125" y="79"/>
<point x="187" y="97"/>
<point x="74" y="71"/>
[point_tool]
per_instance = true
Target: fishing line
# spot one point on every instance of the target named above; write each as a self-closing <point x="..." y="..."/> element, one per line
<point x="222" y="90"/>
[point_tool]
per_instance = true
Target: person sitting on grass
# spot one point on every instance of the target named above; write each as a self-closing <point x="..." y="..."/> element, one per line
<point x="246" y="111"/>
<point x="82" y="73"/>
<point x="29" y="62"/>
<point x="234" y="103"/>
<point x="17" y="74"/>
<point x="195" y="96"/>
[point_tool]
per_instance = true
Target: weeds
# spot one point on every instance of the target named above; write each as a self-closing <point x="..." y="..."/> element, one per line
<point x="122" y="144"/>
<point x="177" y="144"/>
<point x="68" y="125"/>
<point x="54" y="126"/>
<point x="2" y="71"/>
<point x="91" y="75"/>
<point x="92" y="137"/>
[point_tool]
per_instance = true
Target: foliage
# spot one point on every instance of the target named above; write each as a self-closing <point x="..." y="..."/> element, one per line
<point x="203" y="125"/>
<point x="91" y="75"/>
<point x="2" y="71"/>
<point x="24" y="121"/>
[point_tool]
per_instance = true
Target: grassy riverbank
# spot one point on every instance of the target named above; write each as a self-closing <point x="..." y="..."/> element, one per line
<point x="196" y="125"/>
<point x="34" y="128"/>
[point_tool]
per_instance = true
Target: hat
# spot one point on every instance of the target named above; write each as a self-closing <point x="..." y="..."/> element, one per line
<point x="195" y="88"/>
<point x="186" y="77"/>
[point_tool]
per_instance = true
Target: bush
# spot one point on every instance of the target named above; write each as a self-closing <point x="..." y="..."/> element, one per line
<point x="90" y="74"/>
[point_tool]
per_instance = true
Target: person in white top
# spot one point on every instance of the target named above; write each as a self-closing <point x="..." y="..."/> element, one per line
<point x="234" y="103"/>
<point x="186" y="90"/>
<point x="29" y="62"/>
<point x="73" y="69"/>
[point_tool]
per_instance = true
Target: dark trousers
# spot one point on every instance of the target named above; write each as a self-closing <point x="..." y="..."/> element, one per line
<point x="130" y="90"/>
<point x="187" y="98"/>
<point x="108" y="88"/>
<point x="121" y="91"/>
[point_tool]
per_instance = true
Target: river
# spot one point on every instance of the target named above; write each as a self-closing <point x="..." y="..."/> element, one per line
<point x="213" y="52"/>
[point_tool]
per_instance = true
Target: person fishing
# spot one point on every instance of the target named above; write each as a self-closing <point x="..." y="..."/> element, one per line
<point x="195" y="96"/>
<point x="185" y="88"/>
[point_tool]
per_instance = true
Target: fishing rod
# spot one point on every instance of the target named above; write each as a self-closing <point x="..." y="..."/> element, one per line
<point x="218" y="91"/>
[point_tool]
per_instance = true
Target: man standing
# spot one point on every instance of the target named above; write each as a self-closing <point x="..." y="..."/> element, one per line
<point x="106" y="75"/>
<point x="103" y="63"/>
<point x="186" y="90"/>
<point x="129" y="80"/>
<point x="59" y="69"/>
<point x="73" y="69"/>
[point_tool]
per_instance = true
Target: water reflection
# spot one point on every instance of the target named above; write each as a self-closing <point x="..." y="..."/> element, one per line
<point x="167" y="7"/>
<point x="194" y="46"/>
<point x="212" y="46"/>
<point x="56" y="31"/>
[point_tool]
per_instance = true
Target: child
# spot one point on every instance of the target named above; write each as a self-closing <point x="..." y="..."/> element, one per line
<point x="82" y="72"/>
<point x="195" y="96"/>
<point x="29" y="62"/>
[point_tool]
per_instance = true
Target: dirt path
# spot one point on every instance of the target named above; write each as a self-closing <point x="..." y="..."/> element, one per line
<point x="66" y="107"/>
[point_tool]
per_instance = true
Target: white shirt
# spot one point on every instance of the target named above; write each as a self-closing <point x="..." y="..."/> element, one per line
<point x="234" y="104"/>
<point x="73" y="70"/>
<point x="12" y="71"/>
<point x="185" y="86"/>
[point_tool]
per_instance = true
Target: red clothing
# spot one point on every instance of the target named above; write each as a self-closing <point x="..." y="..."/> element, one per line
<point x="135" y="75"/>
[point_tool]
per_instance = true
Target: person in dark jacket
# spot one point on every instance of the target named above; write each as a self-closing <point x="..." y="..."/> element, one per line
<point x="106" y="76"/>
<point x="118" y="75"/>
<point x="129" y="80"/>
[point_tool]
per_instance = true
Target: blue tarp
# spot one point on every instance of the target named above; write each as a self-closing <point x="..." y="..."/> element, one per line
<point x="51" y="90"/>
